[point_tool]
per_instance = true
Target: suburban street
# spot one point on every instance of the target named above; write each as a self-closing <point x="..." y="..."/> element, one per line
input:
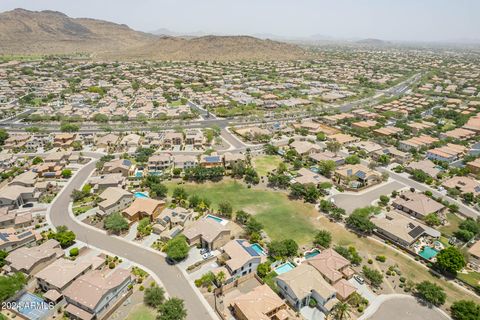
<point x="171" y="277"/>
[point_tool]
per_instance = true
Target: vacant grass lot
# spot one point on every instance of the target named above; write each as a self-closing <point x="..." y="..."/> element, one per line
<point x="281" y="217"/>
<point x="265" y="164"/>
<point x="453" y="223"/>
<point x="142" y="312"/>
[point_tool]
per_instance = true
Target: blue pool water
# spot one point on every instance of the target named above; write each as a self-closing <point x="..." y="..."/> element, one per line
<point x="428" y="253"/>
<point x="287" y="266"/>
<point x="32" y="307"/>
<point x="217" y="219"/>
<point x="312" y="254"/>
<point x="258" y="249"/>
<point x="140" y="195"/>
<point x="138" y="174"/>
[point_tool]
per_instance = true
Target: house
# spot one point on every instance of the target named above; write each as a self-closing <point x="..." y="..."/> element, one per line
<point x="331" y="265"/>
<point x="463" y="184"/>
<point x="474" y="255"/>
<point x="459" y="134"/>
<point x="208" y="233"/>
<point x="31" y="260"/>
<point x="131" y="141"/>
<point x="7" y="160"/>
<point x="448" y="153"/>
<point x="171" y="217"/>
<point x="172" y="139"/>
<point x="104" y="181"/>
<point x="305" y="148"/>
<point x="25" y="179"/>
<point x="401" y="229"/>
<point x="302" y="284"/>
<point x="426" y="166"/>
<point x="107" y="141"/>
<point x="123" y="166"/>
<point x="64" y="140"/>
<point x="15" y="196"/>
<point x="61" y="273"/>
<point x="356" y="176"/>
<point x="241" y="258"/>
<point x="343" y="139"/>
<point x="211" y="161"/>
<point x="143" y="208"/>
<point x="232" y="159"/>
<point x="416" y="143"/>
<point x="93" y="294"/>
<point x="14" y="218"/>
<point x="159" y="162"/>
<point x="366" y="146"/>
<point x="195" y="138"/>
<point x="474" y="166"/>
<point x="395" y="154"/>
<point x="306" y="176"/>
<point x="10" y="239"/>
<point x="327" y="156"/>
<point x="261" y="303"/>
<point x="418" y="205"/>
<point x="114" y="199"/>
<point x="185" y="161"/>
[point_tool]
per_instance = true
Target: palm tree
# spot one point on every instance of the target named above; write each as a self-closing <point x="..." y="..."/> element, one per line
<point x="341" y="311"/>
<point x="220" y="278"/>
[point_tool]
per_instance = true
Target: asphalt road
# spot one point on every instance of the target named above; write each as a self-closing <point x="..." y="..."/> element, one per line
<point x="406" y="308"/>
<point x="350" y="202"/>
<point x="172" y="278"/>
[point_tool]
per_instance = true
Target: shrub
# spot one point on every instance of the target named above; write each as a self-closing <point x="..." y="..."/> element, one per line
<point x="381" y="258"/>
<point x="74" y="252"/>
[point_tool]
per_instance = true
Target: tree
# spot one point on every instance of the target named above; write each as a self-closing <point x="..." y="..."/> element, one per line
<point x="3" y="255"/>
<point x="154" y="296"/>
<point x="282" y="249"/>
<point x="172" y="309"/>
<point x="99" y="117"/>
<point x="384" y="200"/>
<point x="66" y="173"/>
<point x="9" y="285"/>
<point x="297" y="190"/>
<point x="144" y="228"/>
<point x="432" y="219"/>
<point x="116" y="223"/>
<point x="69" y="127"/>
<point x="242" y="217"/>
<point x="177" y="248"/>
<point x="353" y="159"/>
<point x="374" y="276"/>
<point x="194" y="201"/>
<point x="37" y="160"/>
<point x="465" y="310"/>
<point x="384" y="159"/>
<point x="341" y="311"/>
<point x="263" y="269"/>
<point x="349" y="253"/>
<point x="450" y="260"/>
<point x="158" y="190"/>
<point x="326" y="167"/>
<point x="225" y="208"/>
<point x="3" y="136"/>
<point x="180" y="195"/>
<point x="470" y="225"/>
<point x="431" y="293"/>
<point x="311" y="193"/>
<point x="323" y="238"/>
<point x="334" y="146"/>
<point x="251" y="176"/>
<point x="253" y="226"/>
<point x="64" y="236"/>
<point x="360" y="220"/>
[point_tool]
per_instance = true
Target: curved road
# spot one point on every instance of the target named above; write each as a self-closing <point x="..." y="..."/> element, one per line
<point x="171" y="277"/>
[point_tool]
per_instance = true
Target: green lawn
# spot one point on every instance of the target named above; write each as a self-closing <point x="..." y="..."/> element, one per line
<point x="281" y="217"/>
<point x="265" y="164"/>
<point x="472" y="278"/>
<point x="454" y="221"/>
<point x="142" y="312"/>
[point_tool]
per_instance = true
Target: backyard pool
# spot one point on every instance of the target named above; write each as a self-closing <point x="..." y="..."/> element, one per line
<point x="428" y="253"/>
<point x="33" y="307"/>
<point x="311" y="254"/>
<point x="139" y="194"/>
<point x="258" y="249"/>
<point x="287" y="266"/>
<point x="217" y="219"/>
<point x="138" y="174"/>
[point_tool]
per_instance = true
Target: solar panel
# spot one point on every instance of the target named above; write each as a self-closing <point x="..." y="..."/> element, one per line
<point x="251" y="252"/>
<point x="417" y="231"/>
<point x="24" y="235"/>
<point x="4" y="236"/>
<point x="360" y="174"/>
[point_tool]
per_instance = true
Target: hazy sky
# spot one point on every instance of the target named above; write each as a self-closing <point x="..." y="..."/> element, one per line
<point x="432" y="20"/>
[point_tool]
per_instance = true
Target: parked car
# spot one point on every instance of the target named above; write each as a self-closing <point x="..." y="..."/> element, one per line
<point x="203" y="251"/>
<point x="207" y="255"/>
<point x="359" y="279"/>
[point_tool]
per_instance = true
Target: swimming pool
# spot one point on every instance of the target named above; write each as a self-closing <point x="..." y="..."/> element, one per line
<point x="139" y="194"/>
<point x="428" y="253"/>
<point x="138" y="174"/>
<point x="287" y="266"/>
<point x="33" y="307"/>
<point x="258" y="249"/>
<point x="311" y="254"/>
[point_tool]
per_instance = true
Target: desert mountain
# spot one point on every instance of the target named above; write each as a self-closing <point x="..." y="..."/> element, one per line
<point x="50" y="32"/>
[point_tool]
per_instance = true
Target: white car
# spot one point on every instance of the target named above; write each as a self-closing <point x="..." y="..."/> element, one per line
<point x="359" y="279"/>
<point x="207" y="255"/>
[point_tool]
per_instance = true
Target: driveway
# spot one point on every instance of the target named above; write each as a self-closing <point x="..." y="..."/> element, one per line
<point x="351" y="201"/>
<point x="401" y="307"/>
<point x="171" y="277"/>
<point x="363" y="290"/>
